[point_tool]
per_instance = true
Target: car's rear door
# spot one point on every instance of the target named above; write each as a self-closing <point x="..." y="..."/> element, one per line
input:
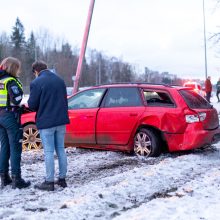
<point x="119" y="115"/>
<point x="83" y="108"/>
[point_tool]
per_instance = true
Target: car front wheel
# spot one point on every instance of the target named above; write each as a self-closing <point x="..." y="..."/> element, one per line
<point x="146" y="143"/>
<point x="31" y="138"/>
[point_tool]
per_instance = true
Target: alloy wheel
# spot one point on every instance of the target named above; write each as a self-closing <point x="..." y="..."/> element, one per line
<point x="31" y="138"/>
<point x="142" y="144"/>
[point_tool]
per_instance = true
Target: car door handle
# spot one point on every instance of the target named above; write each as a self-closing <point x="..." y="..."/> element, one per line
<point x="133" y="114"/>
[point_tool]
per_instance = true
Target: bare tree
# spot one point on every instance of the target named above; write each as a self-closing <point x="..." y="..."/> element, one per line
<point x="5" y="47"/>
<point x="215" y="38"/>
<point x="45" y="42"/>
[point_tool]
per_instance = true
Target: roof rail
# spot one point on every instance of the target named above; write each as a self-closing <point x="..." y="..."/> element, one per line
<point x="116" y="83"/>
<point x="161" y="84"/>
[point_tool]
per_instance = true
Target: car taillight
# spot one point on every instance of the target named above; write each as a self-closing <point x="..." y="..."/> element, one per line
<point x="195" y="118"/>
<point x="192" y="118"/>
<point x="202" y="116"/>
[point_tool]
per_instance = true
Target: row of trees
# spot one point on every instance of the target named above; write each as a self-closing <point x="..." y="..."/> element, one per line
<point x="62" y="58"/>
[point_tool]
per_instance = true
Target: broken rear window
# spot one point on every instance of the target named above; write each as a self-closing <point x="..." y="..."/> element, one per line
<point x="158" y="98"/>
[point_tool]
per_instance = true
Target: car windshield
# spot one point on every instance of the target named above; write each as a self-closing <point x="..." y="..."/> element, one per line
<point x="194" y="100"/>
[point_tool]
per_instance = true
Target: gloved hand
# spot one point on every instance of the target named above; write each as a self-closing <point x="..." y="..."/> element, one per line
<point x="25" y="108"/>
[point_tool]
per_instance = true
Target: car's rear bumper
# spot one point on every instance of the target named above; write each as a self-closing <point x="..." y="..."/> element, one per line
<point x="192" y="139"/>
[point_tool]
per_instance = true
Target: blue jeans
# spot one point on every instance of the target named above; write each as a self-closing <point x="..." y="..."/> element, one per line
<point x="53" y="139"/>
<point x="11" y="146"/>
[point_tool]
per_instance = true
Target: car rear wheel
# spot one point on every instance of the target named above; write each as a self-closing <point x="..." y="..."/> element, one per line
<point x="146" y="143"/>
<point x="31" y="138"/>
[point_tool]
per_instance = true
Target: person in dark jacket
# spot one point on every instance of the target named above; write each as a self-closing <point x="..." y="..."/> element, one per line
<point x="208" y="88"/>
<point x="10" y="129"/>
<point x="218" y="89"/>
<point x="48" y="97"/>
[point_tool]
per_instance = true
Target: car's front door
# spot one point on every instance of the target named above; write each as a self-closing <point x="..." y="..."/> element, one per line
<point x="83" y="108"/>
<point x="118" y="116"/>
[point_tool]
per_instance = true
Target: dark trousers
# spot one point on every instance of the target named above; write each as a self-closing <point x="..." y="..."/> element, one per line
<point x="217" y="94"/>
<point x="11" y="147"/>
<point x="208" y="96"/>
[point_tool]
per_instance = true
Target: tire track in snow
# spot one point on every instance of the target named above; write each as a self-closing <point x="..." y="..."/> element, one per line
<point x="116" y="183"/>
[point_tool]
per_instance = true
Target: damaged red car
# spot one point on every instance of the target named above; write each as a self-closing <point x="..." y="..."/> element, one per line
<point x="142" y="118"/>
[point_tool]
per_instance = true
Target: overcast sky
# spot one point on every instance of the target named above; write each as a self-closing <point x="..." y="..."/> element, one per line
<point x="163" y="35"/>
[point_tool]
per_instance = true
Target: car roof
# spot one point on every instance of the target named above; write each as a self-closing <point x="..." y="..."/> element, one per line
<point x="139" y="85"/>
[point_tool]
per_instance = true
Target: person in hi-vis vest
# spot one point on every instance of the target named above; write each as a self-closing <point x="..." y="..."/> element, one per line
<point x="11" y="94"/>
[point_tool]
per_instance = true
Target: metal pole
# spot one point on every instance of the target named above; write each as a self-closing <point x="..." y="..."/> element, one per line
<point x="99" y="69"/>
<point x="83" y="47"/>
<point x="204" y="29"/>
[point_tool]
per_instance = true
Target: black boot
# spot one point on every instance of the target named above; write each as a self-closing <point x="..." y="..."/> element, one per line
<point x="5" y="180"/>
<point x="18" y="182"/>
<point x="61" y="182"/>
<point x="47" y="186"/>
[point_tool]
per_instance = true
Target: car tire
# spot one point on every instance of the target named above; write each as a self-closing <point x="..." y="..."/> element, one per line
<point x="147" y="143"/>
<point x="31" y="138"/>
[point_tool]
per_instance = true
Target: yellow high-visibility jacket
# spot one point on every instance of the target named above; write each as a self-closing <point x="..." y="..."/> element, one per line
<point x="4" y="100"/>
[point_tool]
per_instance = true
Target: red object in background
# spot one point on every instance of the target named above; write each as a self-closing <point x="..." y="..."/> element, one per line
<point x="196" y="87"/>
<point x="135" y="117"/>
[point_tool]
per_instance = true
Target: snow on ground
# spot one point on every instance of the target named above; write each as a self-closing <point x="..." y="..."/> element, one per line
<point x="113" y="185"/>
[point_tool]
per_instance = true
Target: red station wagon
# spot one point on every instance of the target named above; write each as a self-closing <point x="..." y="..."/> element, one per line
<point x="140" y="118"/>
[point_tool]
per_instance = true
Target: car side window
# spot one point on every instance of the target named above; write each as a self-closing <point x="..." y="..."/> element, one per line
<point x="158" y="98"/>
<point x="123" y="97"/>
<point x="86" y="99"/>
